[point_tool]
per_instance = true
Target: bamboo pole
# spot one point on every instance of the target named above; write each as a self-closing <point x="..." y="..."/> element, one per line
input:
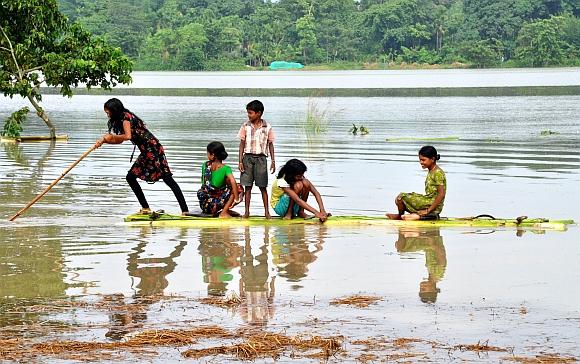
<point x="53" y="183"/>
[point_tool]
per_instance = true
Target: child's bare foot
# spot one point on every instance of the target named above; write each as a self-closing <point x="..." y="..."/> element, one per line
<point x="393" y="216"/>
<point x="185" y="213"/>
<point x="246" y="215"/>
<point x="224" y="215"/>
<point x="411" y="217"/>
<point x="267" y="216"/>
<point x="287" y="217"/>
<point x="303" y="215"/>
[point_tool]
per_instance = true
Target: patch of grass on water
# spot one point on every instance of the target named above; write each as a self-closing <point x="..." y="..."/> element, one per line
<point x="317" y="117"/>
<point x="548" y="132"/>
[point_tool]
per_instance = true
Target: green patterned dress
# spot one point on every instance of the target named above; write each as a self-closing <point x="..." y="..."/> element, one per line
<point x="416" y="201"/>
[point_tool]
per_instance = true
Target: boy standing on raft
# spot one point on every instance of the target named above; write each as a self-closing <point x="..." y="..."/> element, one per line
<point x="256" y="143"/>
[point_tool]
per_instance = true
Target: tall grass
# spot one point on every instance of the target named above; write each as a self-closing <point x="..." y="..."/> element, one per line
<point x="317" y="117"/>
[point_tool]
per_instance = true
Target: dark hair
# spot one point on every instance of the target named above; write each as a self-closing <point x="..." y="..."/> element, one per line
<point x="291" y="169"/>
<point x="255" y="106"/>
<point x="429" y="152"/>
<point x="117" y="112"/>
<point x="218" y="150"/>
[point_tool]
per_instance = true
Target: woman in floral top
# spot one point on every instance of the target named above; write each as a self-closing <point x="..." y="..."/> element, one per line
<point x="151" y="164"/>
<point x="429" y="205"/>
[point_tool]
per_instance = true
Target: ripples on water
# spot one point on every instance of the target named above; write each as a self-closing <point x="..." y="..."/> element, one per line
<point x="71" y="243"/>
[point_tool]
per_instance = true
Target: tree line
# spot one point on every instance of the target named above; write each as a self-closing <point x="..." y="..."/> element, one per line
<point x="234" y="34"/>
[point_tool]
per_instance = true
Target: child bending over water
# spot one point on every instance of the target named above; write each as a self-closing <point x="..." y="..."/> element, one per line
<point x="429" y="205"/>
<point x="290" y="192"/>
<point x="219" y="191"/>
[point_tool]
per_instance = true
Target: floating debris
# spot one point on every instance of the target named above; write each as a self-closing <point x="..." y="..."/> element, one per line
<point x="265" y="345"/>
<point x="480" y="346"/>
<point x="548" y="132"/>
<point x="356" y="300"/>
<point x="361" y="130"/>
<point x="229" y="302"/>
<point x="541" y="359"/>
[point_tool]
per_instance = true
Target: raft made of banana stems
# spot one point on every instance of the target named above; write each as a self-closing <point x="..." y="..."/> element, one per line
<point x="164" y="219"/>
<point x="32" y="138"/>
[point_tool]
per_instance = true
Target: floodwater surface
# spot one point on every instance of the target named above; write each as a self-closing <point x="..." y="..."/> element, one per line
<point x="71" y="270"/>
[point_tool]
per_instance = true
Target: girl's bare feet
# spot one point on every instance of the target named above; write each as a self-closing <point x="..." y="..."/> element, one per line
<point x="267" y="216"/>
<point x="393" y="216"/>
<point x="246" y="215"/>
<point x="411" y="217"/>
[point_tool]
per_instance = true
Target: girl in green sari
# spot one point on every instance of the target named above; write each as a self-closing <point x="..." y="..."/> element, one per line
<point x="429" y="205"/>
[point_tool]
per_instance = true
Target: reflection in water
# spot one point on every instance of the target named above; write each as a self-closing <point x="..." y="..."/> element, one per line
<point x="256" y="292"/>
<point x="152" y="273"/>
<point x="291" y="253"/>
<point x="31" y="270"/>
<point x="431" y="243"/>
<point x="219" y="255"/>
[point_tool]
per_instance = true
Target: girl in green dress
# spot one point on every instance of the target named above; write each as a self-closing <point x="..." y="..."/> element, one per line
<point x="429" y="205"/>
<point x="219" y="191"/>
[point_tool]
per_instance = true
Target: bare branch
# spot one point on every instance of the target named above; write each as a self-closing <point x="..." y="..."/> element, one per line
<point x="12" y="52"/>
<point x="32" y="70"/>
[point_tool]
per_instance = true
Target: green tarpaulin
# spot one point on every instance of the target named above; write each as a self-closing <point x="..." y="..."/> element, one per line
<point x="283" y="65"/>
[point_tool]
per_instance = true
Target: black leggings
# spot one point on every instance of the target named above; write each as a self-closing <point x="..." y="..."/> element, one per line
<point x="132" y="180"/>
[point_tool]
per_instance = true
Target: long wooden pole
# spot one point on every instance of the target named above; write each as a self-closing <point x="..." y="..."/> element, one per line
<point x="52" y="184"/>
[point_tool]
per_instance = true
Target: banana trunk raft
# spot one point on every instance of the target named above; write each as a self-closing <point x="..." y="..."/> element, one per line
<point x="164" y="219"/>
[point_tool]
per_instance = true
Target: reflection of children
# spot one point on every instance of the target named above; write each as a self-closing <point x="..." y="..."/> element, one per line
<point x="291" y="251"/>
<point x="431" y="243"/>
<point x="256" y="293"/>
<point x="290" y="192"/>
<point x="219" y="256"/>
<point x="429" y="205"/>
<point x="219" y="191"/>
<point x="256" y="142"/>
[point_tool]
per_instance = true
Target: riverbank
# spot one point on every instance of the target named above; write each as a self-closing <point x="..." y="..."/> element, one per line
<point x="367" y="83"/>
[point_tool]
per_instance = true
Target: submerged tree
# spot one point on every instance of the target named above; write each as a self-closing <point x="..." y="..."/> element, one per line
<point x="38" y="45"/>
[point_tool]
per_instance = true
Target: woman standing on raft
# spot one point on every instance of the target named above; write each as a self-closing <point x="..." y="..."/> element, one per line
<point x="429" y="205"/>
<point x="151" y="164"/>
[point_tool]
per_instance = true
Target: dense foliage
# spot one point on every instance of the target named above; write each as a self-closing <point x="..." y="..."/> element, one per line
<point x="13" y="125"/>
<point x="38" y="44"/>
<point x="232" y="34"/>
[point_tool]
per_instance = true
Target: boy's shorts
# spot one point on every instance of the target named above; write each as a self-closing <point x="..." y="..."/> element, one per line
<point x="283" y="204"/>
<point x="255" y="170"/>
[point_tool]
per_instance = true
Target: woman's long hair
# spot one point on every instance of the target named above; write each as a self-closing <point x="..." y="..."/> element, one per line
<point x="117" y="112"/>
<point x="291" y="169"/>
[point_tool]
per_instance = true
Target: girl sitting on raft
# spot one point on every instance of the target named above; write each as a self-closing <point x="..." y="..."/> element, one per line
<point x="219" y="191"/>
<point x="290" y="192"/>
<point x="429" y="205"/>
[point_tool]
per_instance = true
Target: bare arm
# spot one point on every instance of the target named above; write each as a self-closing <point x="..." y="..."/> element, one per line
<point x="317" y="197"/>
<point x="440" y="196"/>
<point x="273" y="164"/>
<point x="234" y="185"/>
<point x="241" y="155"/>
<point x="116" y="139"/>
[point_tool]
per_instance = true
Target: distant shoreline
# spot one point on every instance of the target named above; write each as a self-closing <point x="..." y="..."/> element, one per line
<point x="366" y="83"/>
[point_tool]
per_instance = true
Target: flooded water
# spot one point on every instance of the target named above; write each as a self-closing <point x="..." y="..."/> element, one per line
<point x="444" y="288"/>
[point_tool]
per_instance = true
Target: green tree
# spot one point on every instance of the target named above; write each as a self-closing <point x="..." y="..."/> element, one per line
<point x="540" y="43"/>
<point x="179" y="49"/>
<point x="38" y="45"/>
<point x="483" y="53"/>
<point x="397" y="23"/>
